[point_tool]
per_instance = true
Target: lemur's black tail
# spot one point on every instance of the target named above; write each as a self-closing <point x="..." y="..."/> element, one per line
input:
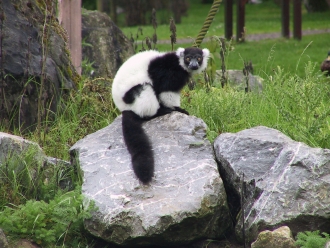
<point x="139" y="146"/>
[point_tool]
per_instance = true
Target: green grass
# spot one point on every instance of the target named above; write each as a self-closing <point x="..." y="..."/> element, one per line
<point x="259" y="18"/>
<point x="292" y="55"/>
<point x="296" y="106"/>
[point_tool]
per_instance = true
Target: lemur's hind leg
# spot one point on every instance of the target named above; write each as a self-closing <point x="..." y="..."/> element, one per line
<point x="160" y="112"/>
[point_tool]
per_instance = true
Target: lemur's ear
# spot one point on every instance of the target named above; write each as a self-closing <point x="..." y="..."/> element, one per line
<point x="179" y="52"/>
<point x="206" y="52"/>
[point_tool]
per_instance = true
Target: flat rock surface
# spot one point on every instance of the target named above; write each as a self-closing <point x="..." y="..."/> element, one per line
<point x="185" y="201"/>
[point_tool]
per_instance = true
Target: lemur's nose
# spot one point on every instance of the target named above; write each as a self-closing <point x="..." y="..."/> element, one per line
<point x="193" y="65"/>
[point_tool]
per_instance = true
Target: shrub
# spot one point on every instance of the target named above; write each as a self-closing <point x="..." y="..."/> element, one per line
<point x="313" y="239"/>
<point x="58" y="222"/>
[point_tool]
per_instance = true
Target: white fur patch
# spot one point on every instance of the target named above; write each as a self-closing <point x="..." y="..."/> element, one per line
<point x="133" y="72"/>
<point x="170" y="99"/>
<point x="146" y="105"/>
<point x="206" y="52"/>
<point x="179" y="52"/>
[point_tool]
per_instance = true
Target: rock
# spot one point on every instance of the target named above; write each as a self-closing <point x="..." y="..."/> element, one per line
<point x="279" y="238"/>
<point x="23" y="243"/>
<point x="32" y="55"/>
<point x="3" y="240"/>
<point x="107" y="47"/>
<point x="237" y="80"/>
<point x="12" y="146"/>
<point x="185" y="201"/>
<point x="327" y="245"/>
<point x="286" y="182"/>
<point x="15" y="149"/>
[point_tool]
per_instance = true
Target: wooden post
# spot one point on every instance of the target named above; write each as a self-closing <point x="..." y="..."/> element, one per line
<point x="297" y="19"/>
<point x="285" y="11"/>
<point x="70" y="19"/>
<point x="240" y="35"/>
<point x="228" y="19"/>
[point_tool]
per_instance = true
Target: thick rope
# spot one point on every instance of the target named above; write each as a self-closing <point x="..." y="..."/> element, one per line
<point x="207" y="23"/>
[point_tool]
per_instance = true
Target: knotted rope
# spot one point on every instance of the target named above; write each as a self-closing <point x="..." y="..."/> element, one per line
<point x="207" y="23"/>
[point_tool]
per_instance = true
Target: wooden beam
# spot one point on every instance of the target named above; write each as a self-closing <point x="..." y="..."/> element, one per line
<point x="70" y="19"/>
<point x="240" y="36"/>
<point x="285" y="12"/>
<point x="228" y="19"/>
<point x="297" y="33"/>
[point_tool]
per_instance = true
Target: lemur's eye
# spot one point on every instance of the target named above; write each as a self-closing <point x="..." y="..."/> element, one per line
<point x="188" y="59"/>
<point x="199" y="59"/>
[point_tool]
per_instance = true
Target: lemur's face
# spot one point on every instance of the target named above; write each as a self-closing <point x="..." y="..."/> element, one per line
<point x="193" y="58"/>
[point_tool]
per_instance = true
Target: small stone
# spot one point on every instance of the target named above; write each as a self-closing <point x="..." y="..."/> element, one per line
<point x="279" y="238"/>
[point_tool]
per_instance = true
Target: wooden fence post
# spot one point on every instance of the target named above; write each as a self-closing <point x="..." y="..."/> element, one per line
<point x="297" y="33"/>
<point x="228" y="19"/>
<point x="285" y="12"/>
<point x="240" y="35"/>
<point x="70" y="19"/>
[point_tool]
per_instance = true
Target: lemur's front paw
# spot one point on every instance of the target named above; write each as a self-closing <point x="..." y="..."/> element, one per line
<point x="181" y="110"/>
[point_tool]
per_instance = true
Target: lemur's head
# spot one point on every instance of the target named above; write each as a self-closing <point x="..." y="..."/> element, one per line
<point x="193" y="59"/>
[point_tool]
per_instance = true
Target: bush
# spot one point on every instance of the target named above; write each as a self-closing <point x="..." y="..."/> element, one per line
<point x="312" y="239"/>
<point x="58" y="222"/>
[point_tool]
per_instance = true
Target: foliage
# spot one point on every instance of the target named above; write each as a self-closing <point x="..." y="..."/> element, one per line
<point x="60" y="221"/>
<point x="84" y="111"/>
<point x="25" y="175"/>
<point x="16" y="177"/>
<point x="296" y="106"/>
<point x="312" y="239"/>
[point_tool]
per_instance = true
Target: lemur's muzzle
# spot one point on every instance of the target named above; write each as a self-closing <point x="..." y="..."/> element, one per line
<point x="193" y="65"/>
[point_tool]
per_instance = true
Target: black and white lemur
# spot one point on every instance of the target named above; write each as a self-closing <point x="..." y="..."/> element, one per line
<point x="148" y="85"/>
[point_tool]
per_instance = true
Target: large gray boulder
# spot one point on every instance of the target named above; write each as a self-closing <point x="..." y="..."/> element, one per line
<point x="286" y="182"/>
<point x="185" y="201"/>
<point x="34" y="53"/>
<point x="107" y="48"/>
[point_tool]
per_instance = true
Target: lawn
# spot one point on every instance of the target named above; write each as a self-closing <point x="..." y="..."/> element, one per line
<point x="260" y="18"/>
<point x="292" y="55"/>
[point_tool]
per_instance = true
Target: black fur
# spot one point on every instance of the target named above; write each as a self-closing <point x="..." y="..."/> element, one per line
<point x="138" y="143"/>
<point x="138" y="146"/>
<point x="167" y="74"/>
<point x="134" y="92"/>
